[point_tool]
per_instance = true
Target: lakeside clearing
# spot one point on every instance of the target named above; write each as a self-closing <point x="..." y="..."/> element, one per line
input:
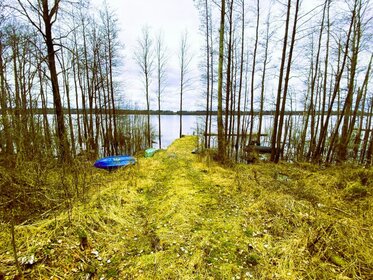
<point x="179" y="215"/>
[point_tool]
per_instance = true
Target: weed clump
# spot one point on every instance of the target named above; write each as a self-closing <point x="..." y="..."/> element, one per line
<point x="355" y="191"/>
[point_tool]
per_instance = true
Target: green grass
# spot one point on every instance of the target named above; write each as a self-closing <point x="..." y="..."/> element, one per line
<point x="182" y="216"/>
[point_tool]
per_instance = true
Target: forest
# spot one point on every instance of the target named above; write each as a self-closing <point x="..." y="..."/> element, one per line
<point x="280" y="57"/>
<point x="324" y="54"/>
<point x="289" y="77"/>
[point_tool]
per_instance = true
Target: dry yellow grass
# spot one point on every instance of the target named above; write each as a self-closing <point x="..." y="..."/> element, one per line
<point x="182" y="216"/>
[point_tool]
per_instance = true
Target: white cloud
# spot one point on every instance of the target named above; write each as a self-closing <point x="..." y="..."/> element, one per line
<point x="173" y="18"/>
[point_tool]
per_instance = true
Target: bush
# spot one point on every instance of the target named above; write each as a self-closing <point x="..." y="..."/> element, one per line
<point x="32" y="188"/>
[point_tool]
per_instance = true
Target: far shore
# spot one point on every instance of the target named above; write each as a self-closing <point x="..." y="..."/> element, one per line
<point x="50" y="111"/>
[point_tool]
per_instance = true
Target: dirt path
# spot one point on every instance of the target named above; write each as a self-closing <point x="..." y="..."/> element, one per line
<point x="178" y="204"/>
<point x="188" y="226"/>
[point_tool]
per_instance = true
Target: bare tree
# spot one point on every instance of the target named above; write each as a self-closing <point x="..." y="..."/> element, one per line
<point x="221" y="136"/>
<point x="347" y="108"/>
<point x="241" y="78"/>
<point x="46" y="17"/>
<point x="4" y="101"/>
<point x="185" y="59"/>
<point x="324" y="129"/>
<point x="110" y="33"/>
<point x="228" y="81"/>
<point x="268" y="36"/>
<point x="161" y="61"/>
<point x="275" y="130"/>
<point x="145" y="59"/>
<point x="280" y="147"/>
<point x="314" y="75"/>
<point x="253" y="70"/>
<point x="206" y="14"/>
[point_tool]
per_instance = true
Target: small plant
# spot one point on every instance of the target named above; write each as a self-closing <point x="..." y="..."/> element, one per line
<point x="248" y="232"/>
<point x="253" y="259"/>
<point x="355" y="191"/>
<point x="251" y="154"/>
<point x="337" y="260"/>
<point x="112" y="272"/>
<point x="365" y="177"/>
<point x="83" y="239"/>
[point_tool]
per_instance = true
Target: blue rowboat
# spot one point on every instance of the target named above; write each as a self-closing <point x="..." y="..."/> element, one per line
<point x="114" y="162"/>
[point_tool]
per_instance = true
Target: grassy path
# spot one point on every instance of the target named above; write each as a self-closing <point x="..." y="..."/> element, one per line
<point x="179" y="215"/>
<point x="182" y="220"/>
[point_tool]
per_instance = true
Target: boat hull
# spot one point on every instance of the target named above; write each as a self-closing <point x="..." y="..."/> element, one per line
<point x="114" y="162"/>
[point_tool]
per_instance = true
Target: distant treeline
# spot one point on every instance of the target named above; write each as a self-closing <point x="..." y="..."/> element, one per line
<point x="51" y="111"/>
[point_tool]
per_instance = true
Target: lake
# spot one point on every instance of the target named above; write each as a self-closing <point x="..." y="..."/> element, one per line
<point x="193" y="124"/>
<point x="171" y="127"/>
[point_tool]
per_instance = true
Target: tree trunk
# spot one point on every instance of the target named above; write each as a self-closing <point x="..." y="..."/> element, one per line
<point x="313" y="85"/>
<point x="363" y="91"/>
<point x="321" y="143"/>
<point x="9" y="149"/>
<point x="345" y="137"/>
<point x="253" y="73"/>
<point x="365" y="149"/>
<point x="48" y="15"/>
<point x="238" y="139"/>
<point x="221" y="136"/>
<point x="279" y="88"/>
<point x="66" y="85"/>
<point x="207" y="33"/>
<point x="262" y="83"/>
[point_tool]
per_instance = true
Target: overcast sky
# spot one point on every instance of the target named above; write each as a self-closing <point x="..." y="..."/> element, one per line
<point x="173" y="18"/>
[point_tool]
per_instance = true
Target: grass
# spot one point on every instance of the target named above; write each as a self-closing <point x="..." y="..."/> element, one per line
<point x="182" y="216"/>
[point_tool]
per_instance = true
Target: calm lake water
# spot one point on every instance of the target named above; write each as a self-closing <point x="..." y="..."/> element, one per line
<point x="171" y="127"/>
<point x="195" y="125"/>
